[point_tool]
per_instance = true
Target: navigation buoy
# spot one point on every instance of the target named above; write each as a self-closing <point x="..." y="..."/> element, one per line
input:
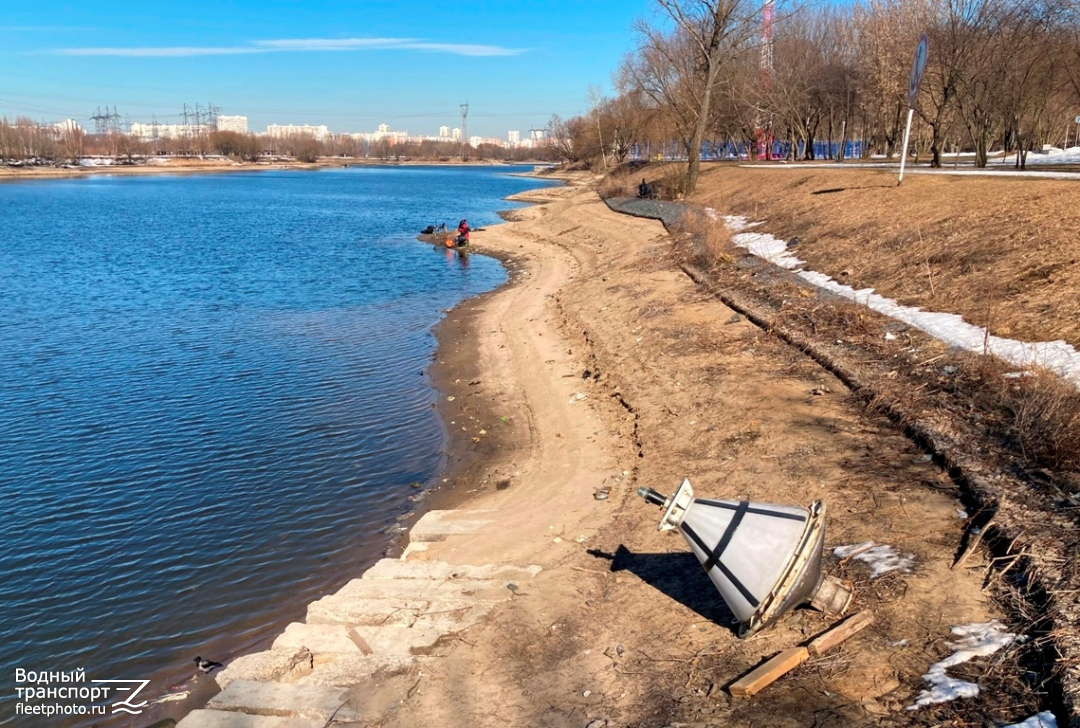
<point x="764" y="559"/>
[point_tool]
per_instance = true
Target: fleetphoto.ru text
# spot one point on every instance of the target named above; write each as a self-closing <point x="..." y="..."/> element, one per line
<point x="57" y="693"/>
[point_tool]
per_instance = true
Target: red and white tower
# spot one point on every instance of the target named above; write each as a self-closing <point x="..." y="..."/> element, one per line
<point x="767" y="15"/>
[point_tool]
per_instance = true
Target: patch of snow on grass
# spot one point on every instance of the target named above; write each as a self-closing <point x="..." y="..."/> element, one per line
<point x="1044" y="719"/>
<point x="1057" y="356"/>
<point x="882" y="558"/>
<point x="976" y="640"/>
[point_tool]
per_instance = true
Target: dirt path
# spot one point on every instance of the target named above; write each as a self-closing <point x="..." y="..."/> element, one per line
<point x="622" y="627"/>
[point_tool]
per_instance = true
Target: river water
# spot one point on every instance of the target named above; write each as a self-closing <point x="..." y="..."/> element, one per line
<point x="212" y="404"/>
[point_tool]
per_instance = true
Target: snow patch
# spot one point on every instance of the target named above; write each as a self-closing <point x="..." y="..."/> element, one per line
<point x="882" y="558"/>
<point x="1057" y="356"/>
<point x="1044" y="719"/>
<point x="998" y="164"/>
<point x="976" y="640"/>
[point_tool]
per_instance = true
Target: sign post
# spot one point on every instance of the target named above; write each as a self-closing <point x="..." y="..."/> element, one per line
<point x="918" y="68"/>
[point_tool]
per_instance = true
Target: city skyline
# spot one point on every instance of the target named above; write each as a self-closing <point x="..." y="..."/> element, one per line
<point x="103" y="122"/>
<point x="348" y="66"/>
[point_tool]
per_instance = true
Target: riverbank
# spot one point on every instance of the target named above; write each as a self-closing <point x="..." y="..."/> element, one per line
<point x="604" y="367"/>
<point x="621" y="625"/>
<point x="154" y="166"/>
<point x="192" y="165"/>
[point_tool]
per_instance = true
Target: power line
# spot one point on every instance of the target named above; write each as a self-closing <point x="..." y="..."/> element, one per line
<point x="106" y="122"/>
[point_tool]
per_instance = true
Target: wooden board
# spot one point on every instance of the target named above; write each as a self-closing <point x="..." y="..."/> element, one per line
<point x="769" y="672"/>
<point x="841" y="632"/>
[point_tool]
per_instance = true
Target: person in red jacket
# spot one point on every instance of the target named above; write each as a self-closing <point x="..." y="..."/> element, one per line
<point x="463" y="230"/>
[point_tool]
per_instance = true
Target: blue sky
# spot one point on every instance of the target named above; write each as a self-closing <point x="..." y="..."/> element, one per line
<point x="349" y="65"/>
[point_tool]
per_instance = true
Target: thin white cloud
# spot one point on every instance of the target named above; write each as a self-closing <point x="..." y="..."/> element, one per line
<point x="296" y="45"/>
<point x="41" y="28"/>
<point x="331" y="44"/>
<point x="162" y="52"/>
<point x="464" y="49"/>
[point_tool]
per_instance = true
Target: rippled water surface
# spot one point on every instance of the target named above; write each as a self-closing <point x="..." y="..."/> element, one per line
<point x="212" y="401"/>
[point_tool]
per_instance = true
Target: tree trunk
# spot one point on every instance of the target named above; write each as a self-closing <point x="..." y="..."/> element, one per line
<point x="693" y="153"/>
<point x="980" y="141"/>
<point x="935" y="145"/>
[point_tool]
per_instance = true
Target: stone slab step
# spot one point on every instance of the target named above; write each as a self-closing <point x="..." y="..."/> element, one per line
<point x="337" y="609"/>
<point x="267" y="666"/>
<point x="228" y="719"/>
<point x="341" y="639"/>
<point x="438" y="525"/>
<point x="313" y="702"/>
<point x="398" y="569"/>
<point x="479" y="589"/>
<point x="345" y="609"/>
<point x="348" y="670"/>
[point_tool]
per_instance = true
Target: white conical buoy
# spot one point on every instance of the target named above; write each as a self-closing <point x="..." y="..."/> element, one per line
<point x="764" y="559"/>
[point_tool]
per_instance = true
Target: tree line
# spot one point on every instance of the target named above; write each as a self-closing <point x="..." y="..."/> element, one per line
<point x="25" y="140"/>
<point x="1002" y="75"/>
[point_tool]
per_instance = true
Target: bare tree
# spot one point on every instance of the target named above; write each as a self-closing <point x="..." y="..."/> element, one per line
<point x="1000" y="72"/>
<point x="888" y="32"/>
<point x="1033" y="77"/>
<point x="625" y="118"/>
<point x="679" y="68"/>
<point x="572" y="137"/>
<point x="951" y="50"/>
<point x="981" y="87"/>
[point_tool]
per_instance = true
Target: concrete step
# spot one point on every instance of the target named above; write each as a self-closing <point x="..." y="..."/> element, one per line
<point x="337" y="609"/>
<point x="228" y="719"/>
<point x="479" y="589"/>
<point x="438" y="525"/>
<point x="341" y="639"/>
<point x="267" y="666"/>
<point x="312" y="702"/>
<point x="348" y="670"/>
<point x="398" y="569"/>
<point x="345" y="609"/>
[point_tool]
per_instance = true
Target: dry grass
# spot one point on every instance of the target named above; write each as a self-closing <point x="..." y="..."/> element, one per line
<point x="617" y="184"/>
<point x="709" y="240"/>
<point x="1032" y="419"/>
<point x="838" y="320"/>
<point x="671" y="182"/>
<point x="1037" y="414"/>
<point x="943" y="243"/>
<point x="1001" y="252"/>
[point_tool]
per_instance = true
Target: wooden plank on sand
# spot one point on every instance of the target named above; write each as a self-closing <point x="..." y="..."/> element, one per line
<point x="841" y="632"/>
<point x="769" y="672"/>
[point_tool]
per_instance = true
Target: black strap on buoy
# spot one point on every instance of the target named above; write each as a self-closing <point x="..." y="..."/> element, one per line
<point x="748" y="509"/>
<point x="713" y="554"/>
